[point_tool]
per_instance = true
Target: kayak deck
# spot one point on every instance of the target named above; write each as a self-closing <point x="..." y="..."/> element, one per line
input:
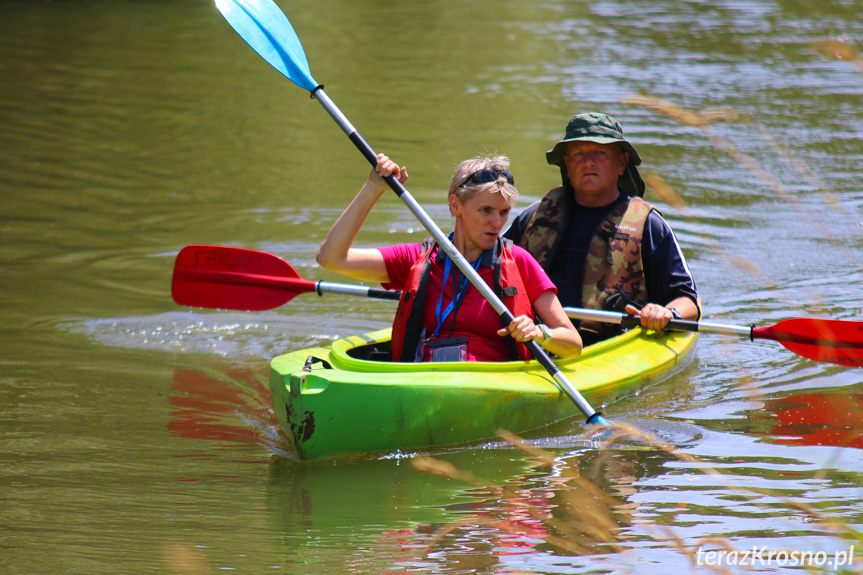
<point x="339" y="400"/>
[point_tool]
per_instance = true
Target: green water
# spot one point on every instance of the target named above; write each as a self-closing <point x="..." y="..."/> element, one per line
<point x="131" y="428"/>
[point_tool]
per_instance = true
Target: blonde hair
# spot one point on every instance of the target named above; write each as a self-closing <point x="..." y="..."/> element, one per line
<point x="464" y="170"/>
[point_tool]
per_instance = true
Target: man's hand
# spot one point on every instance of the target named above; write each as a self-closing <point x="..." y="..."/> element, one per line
<point x="653" y="316"/>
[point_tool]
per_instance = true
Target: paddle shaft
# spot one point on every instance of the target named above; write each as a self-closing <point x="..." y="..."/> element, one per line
<point x="323" y="287"/>
<point x="831" y="341"/>
<point x="263" y="25"/>
<point x="236" y="278"/>
<point x="458" y="259"/>
<point x="627" y="320"/>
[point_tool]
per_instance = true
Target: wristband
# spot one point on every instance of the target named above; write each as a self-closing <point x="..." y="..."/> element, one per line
<point x="546" y="332"/>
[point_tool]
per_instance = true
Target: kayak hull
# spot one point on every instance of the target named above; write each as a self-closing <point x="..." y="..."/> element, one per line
<point x="333" y="401"/>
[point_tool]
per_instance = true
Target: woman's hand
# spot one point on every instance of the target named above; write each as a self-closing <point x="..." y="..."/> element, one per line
<point x="336" y="252"/>
<point x="522" y="329"/>
<point x="385" y="167"/>
<point x="565" y="342"/>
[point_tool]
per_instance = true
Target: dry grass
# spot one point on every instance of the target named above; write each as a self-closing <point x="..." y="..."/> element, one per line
<point x="664" y="190"/>
<point x="703" y="121"/>
<point x="588" y="520"/>
<point x="184" y="560"/>
<point x="840" y="50"/>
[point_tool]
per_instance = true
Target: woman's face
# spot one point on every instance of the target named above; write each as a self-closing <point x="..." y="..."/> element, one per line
<point x="482" y="218"/>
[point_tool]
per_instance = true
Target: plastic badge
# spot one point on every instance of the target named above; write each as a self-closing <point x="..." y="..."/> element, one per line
<point x="448" y="349"/>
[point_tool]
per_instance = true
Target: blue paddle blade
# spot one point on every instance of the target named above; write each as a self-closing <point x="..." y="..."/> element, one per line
<point x="597" y="419"/>
<point x="265" y="28"/>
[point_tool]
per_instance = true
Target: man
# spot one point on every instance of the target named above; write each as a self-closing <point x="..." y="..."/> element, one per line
<point x="600" y="243"/>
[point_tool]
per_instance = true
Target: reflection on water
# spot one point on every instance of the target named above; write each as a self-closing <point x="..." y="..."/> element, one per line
<point x="567" y="503"/>
<point x="818" y="419"/>
<point x="216" y="409"/>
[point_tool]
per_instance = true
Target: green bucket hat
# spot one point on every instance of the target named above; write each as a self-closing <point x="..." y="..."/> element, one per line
<point x="602" y="129"/>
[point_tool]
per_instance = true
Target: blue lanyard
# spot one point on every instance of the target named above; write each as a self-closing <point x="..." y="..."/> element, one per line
<point x="446" y="269"/>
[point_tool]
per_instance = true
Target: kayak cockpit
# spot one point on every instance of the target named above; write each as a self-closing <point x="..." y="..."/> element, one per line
<point x="371" y="352"/>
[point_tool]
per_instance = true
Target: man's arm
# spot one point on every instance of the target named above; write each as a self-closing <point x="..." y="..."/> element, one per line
<point x="669" y="281"/>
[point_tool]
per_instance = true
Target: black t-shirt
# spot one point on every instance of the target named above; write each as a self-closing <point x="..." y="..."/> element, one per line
<point x="665" y="271"/>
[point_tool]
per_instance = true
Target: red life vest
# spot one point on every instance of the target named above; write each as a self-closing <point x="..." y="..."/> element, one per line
<point x="508" y="286"/>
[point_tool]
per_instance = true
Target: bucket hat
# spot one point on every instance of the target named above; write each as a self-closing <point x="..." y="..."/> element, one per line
<point x="601" y="129"/>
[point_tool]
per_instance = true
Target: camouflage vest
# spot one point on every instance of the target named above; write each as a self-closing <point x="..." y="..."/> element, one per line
<point x="613" y="262"/>
<point x="542" y="234"/>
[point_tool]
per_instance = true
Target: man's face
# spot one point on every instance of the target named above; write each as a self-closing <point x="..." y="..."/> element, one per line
<point x="595" y="168"/>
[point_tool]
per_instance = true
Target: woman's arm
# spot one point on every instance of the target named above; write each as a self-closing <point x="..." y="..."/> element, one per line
<point x="336" y="252"/>
<point x="565" y="340"/>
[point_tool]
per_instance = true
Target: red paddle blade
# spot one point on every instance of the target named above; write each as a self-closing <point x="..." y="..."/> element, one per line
<point x="234" y="278"/>
<point x="828" y="340"/>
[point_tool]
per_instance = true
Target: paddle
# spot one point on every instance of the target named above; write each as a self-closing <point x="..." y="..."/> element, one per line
<point x="235" y="278"/>
<point x="827" y="340"/>
<point x="267" y="30"/>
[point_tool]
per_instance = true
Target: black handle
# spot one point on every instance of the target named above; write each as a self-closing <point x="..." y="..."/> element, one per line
<point x="379" y="293"/>
<point x="674" y="324"/>
<point x="372" y="157"/>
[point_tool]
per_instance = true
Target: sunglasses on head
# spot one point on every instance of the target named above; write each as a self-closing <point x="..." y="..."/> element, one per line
<point x="487" y="176"/>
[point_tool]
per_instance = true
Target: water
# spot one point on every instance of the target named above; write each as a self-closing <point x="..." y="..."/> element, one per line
<point x="138" y="436"/>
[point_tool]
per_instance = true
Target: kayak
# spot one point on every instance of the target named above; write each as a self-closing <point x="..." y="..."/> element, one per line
<point x="350" y="399"/>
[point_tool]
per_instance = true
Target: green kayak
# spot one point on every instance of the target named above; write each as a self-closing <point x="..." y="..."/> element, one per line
<point x="344" y="400"/>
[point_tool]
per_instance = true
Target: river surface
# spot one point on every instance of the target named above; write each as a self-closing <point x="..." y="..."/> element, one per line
<point x="136" y="436"/>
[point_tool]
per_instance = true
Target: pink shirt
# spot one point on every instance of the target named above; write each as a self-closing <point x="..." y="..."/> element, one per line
<point x="475" y="318"/>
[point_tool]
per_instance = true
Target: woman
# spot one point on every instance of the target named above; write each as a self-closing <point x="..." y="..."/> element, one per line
<point x="441" y="317"/>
